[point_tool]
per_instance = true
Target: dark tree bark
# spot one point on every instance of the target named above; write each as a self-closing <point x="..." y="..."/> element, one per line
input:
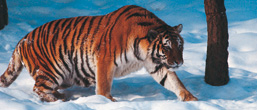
<point x="3" y="14"/>
<point x="216" y="71"/>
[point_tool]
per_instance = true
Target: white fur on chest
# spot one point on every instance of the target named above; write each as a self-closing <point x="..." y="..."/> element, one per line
<point x="128" y="68"/>
<point x="125" y="68"/>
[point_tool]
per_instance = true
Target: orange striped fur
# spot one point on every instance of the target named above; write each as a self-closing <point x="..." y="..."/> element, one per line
<point x="92" y="50"/>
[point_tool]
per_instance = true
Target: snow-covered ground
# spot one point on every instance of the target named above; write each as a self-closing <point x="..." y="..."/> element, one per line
<point x="139" y="91"/>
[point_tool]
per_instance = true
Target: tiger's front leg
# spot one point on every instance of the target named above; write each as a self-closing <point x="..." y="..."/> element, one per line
<point x="104" y="80"/>
<point x="170" y="81"/>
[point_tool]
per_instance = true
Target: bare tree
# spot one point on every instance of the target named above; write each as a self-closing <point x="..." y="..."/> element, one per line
<point x="216" y="71"/>
<point x="3" y="14"/>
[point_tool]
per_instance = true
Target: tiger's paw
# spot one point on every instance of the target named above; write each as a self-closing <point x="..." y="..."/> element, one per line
<point x="187" y="96"/>
<point x="111" y="98"/>
<point x="60" y="96"/>
<point x="114" y="100"/>
<point x="51" y="97"/>
<point x="48" y="97"/>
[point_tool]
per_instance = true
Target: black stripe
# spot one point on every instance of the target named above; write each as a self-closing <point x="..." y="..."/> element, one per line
<point x="145" y="23"/>
<point x="105" y="36"/>
<point x="163" y="80"/>
<point x="44" y="44"/>
<point x="46" y="37"/>
<point x="34" y="32"/>
<point x="89" y="28"/>
<point x="43" y="78"/>
<point x="125" y="54"/>
<point x="62" y="59"/>
<point x="98" y="47"/>
<point x="56" y="24"/>
<point x="114" y="57"/>
<point x="135" y="15"/>
<point x="136" y="47"/>
<point x="82" y="50"/>
<point x="55" y="61"/>
<point x="126" y="59"/>
<point x="157" y="53"/>
<point x="73" y="42"/>
<point x="44" y="86"/>
<point x="69" y="25"/>
<point x="136" y="51"/>
<point x="39" y="39"/>
<point x="25" y="55"/>
<point x="76" y="68"/>
<point x="155" y="60"/>
<point x="49" y="26"/>
<point x="161" y="28"/>
<point x="41" y="36"/>
<point x="54" y="40"/>
<point x="29" y="43"/>
<point x="82" y="26"/>
<point x="81" y="31"/>
<point x="77" y="21"/>
<point x="65" y="41"/>
<point x="157" y="68"/>
<point x="110" y="16"/>
<point x="64" y="23"/>
<point x="90" y="24"/>
<point x="53" y="78"/>
<point x="96" y="30"/>
<point x="82" y="64"/>
<point x="88" y="65"/>
<point x="93" y="36"/>
<point x="27" y="35"/>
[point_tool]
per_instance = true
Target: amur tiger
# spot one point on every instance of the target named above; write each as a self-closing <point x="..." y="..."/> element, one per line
<point x="92" y="50"/>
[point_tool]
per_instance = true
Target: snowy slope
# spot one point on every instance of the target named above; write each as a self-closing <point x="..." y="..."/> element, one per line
<point x="139" y="91"/>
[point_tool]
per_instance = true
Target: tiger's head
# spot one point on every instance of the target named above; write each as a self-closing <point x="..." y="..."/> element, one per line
<point x="167" y="46"/>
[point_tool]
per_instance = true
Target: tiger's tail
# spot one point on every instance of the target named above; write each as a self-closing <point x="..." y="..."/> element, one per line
<point x="12" y="72"/>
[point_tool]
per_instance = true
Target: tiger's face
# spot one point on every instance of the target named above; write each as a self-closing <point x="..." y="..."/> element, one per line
<point x="168" y="49"/>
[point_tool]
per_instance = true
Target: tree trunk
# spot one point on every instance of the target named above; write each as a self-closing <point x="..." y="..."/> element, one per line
<point x="3" y="14"/>
<point x="216" y="71"/>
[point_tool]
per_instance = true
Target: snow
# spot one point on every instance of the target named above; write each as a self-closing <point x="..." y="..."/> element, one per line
<point x="138" y="91"/>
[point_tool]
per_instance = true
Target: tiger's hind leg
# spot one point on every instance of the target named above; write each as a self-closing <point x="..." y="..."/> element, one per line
<point x="47" y="89"/>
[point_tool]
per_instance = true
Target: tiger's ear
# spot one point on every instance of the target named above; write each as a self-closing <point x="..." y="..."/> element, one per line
<point x="179" y="28"/>
<point x="152" y="34"/>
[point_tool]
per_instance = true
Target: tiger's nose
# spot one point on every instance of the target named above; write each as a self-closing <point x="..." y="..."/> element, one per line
<point x="178" y="63"/>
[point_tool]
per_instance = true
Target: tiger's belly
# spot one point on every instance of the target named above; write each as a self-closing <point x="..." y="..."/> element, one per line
<point x="128" y="68"/>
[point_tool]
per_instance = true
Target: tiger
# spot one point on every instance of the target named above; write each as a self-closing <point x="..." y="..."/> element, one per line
<point x="93" y="50"/>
